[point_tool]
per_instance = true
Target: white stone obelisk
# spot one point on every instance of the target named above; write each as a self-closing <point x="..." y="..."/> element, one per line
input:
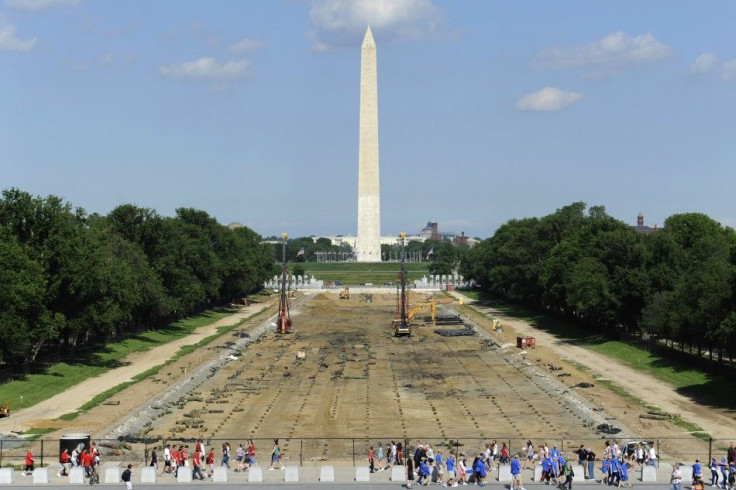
<point x="368" y="246"/>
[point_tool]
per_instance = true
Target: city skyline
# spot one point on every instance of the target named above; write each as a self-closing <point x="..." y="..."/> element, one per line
<point x="490" y="111"/>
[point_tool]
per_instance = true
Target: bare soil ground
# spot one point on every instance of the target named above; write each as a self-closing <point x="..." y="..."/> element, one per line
<point x="343" y="374"/>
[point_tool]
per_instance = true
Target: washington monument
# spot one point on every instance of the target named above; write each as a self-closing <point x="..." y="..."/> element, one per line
<point x="368" y="246"/>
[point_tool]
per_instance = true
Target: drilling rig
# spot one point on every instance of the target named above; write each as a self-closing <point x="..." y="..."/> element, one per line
<point x="402" y="326"/>
<point x="283" y="322"/>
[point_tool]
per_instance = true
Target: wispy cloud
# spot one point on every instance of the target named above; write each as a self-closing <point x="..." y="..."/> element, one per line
<point x="336" y="23"/>
<point x="704" y="63"/>
<point x="614" y="51"/>
<point x="207" y="69"/>
<point x="548" y="99"/>
<point x="708" y="63"/>
<point x="246" y="45"/>
<point x="40" y="4"/>
<point x="9" y="40"/>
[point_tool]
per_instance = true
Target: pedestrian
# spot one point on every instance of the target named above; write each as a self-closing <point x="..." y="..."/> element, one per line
<point x="724" y="472"/>
<point x="676" y="478"/>
<point x="240" y="457"/>
<point x="480" y="472"/>
<point x="196" y="466"/>
<point x="225" y="455"/>
<point x="462" y="469"/>
<point x="29" y="462"/>
<point x="591" y="463"/>
<point x="423" y="473"/>
<point x="450" y="463"/>
<point x="167" y="459"/>
<point x="569" y="473"/>
<point x="409" y="472"/>
<point x="615" y="478"/>
<point x="697" y="471"/>
<point x="529" y="454"/>
<point x="276" y="455"/>
<point x="64" y="459"/>
<point x="379" y="456"/>
<point x="127" y="477"/>
<point x="652" y="457"/>
<point x="154" y="458"/>
<point x="516" y="483"/>
<point x="439" y="463"/>
<point x="211" y="461"/>
<point x="371" y="461"/>
<point x="251" y="456"/>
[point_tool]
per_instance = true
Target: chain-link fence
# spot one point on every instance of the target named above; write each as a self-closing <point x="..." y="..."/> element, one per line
<point x="352" y="451"/>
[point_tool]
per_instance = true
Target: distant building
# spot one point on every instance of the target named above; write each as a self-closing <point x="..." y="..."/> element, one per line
<point x="641" y="228"/>
<point x="431" y="232"/>
<point x="460" y="239"/>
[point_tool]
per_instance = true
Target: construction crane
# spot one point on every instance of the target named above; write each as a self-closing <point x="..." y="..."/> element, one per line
<point x="402" y="325"/>
<point x="283" y="322"/>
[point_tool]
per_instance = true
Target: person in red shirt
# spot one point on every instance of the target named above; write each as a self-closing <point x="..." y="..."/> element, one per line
<point x="29" y="462"/>
<point x="65" y="461"/>
<point x="211" y="461"/>
<point x="185" y="456"/>
<point x="175" y="459"/>
<point x="196" y="462"/>
<point x="86" y="459"/>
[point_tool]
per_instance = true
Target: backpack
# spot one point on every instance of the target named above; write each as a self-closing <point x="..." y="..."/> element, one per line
<point x="126" y="475"/>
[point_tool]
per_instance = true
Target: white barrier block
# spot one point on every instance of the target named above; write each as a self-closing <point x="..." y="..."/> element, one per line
<point x="148" y="474"/>
<point x="579" y="473"/>
<point x="184" y="474"/>
<point x="327" y="473"/>
<point x="41" y="475"/>
<point x="538" y="473"/>
<point x="76" y="475"/>
<point x="255" y="475"/>
<point x="220" y="475"/>
<point x="398" y="473"/>
<point x="112" y="474"/>
<point x="362" y="473"/>
<point x="6" y="476"/>
<point x="648" y="474"/>
<point x="687" y="473"/>
<point x="504" y="473"/>
<point x="291" y="474"/>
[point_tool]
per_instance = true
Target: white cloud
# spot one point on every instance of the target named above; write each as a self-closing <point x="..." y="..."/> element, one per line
<point x="547" y="99"/>
<point x="9" y="41"/>
<point x="245" y="45"/>
<point x="342" y="22"/>
<point x="207" y="69"/>
<point x="728" y="70"/>
<point x="704" y="63"/>
<point x="40" y="4"/>
<point x="613" y="51"/>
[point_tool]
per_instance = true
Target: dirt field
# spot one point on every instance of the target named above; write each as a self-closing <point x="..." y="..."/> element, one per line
<point x="342" y="374"/>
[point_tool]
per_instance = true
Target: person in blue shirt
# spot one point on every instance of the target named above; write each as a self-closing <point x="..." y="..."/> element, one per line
<point x="480" y="472"/>
<point x="545" y="470"/>
<point x="516" y="474"/>
<point x="606" y="469"/>
<point x="438" y="463"/>
<point x="450" y="463"/>
<point x="423" y="472"/>
<point x="615" y="477"/>
<point x="713" y="472"/>
<point x="724" y="471"/>
<point x="697" y="471"/>
<point x="554" y="452"/>
<point x="624" y="472"/>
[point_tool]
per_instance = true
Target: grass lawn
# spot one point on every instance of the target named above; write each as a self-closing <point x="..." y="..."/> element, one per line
<point x="58" y="377"/>
<point x="354" y="273"/>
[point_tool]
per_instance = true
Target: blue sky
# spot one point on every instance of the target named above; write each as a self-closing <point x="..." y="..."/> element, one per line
<point x="488" y="110"/>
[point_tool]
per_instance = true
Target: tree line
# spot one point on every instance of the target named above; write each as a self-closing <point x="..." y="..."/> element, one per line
<point x="70" y="278"/>
<point x="677" y="284"/>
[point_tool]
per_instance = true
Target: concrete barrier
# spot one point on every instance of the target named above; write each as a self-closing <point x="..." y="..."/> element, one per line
<point x="398" y="473"/>
<point x="291" y="474"/>
<point x="648" y="474"/>
<point x="6" y="476"/>
<point x="41" y="475"/>
<point x="687" y="474"/>
<point x="148" y="474"/>
<point x="112" y="474"/>
<point x="76" y="475"/>
<point x="255" y="474"/>
<point x="327" y="474"/>
<point x="219" y="475"/>
<point x="579" y="473"/>
<point x="537" y="472"/>
<point x="184" y="475"/>
<point x="363" y="474"/>
<point x="504" y="473"/>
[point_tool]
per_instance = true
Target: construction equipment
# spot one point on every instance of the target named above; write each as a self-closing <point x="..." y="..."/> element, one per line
<point x="283" y="322"/>
<point x="5" y="409"/>
<point x="345" y="293"/>
<point x="402" y="325"/>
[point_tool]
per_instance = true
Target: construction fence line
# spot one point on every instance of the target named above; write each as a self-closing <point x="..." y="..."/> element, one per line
<point x="352" y="451"/>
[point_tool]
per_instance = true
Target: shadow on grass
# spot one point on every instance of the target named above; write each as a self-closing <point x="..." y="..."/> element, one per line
<point x="716" y="392"/>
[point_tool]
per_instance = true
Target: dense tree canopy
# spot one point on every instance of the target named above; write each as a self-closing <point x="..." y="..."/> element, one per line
<point x="70" y="278"/>
<point x="678" y="283"/>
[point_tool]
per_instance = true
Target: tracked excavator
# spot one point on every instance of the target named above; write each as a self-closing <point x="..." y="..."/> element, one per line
<point x="283" y="322"/>
<point x="402" y="325"/>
